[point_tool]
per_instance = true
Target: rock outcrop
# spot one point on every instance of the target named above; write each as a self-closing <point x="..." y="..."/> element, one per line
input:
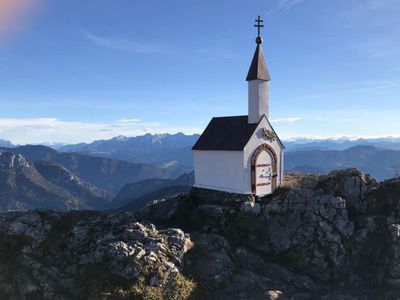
<point x="89" y="255"/>
<point x="327" y="237"/>
<point x="321" y="237"/>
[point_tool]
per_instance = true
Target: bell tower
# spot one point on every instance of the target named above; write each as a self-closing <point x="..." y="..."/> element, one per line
<point x="258" y="82"/>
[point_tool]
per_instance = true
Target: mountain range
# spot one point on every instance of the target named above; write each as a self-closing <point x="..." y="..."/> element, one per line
<point x="40" y="177"/>
<point x="5" y="143"/>
<point x="340" y="144"/>
<point x="87" y="180"/>
<point x="135" y="196"/>
<point x="380" y="163"/>
<point x="26" y="184"/>
<point x="106" y="173"/>
<point x="159" y="148"/>
<point x="29" y="185"/>
<point x="153" y="149"/>
<point x="375" y="156"/>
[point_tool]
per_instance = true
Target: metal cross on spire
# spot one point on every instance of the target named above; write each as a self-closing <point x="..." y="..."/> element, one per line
<point x="259" y="39"/>
<point x="259" y="25"/>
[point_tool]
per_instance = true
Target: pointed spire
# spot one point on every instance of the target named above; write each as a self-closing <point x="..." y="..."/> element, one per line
<point x="258" y="68"/>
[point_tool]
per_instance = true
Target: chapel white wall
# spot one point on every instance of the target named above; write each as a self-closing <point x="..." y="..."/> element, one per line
<point x="257" y="140"/>
<point x="258" y="102"/>
<point x="221" y="170"/>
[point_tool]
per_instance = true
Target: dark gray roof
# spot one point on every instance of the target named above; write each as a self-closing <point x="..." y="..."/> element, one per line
<point x="258" y="68"/>
<point x="226" y="133"/>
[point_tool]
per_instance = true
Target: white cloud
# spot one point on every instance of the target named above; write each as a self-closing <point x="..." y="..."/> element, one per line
<point x="128" y="120"/>
<point x="288" y="4"/>
<point x="286" y="120"/>
<point x="38" y="130"/>
<point x="283" y="5"/>
<point x="126" y="45"/>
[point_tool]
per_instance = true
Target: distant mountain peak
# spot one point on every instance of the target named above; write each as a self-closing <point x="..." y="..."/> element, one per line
<point x="27" y="184"/>
<point x="10" y="160"/>
<point x="148" y="148"/>
<point x="120" y="138"/>
<point x="5" y="143"/>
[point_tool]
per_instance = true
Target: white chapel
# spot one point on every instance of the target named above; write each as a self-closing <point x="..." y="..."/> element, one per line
<point x="242" y="154"/>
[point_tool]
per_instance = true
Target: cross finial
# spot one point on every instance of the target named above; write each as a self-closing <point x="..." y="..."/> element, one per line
<point x="259" y="26"/>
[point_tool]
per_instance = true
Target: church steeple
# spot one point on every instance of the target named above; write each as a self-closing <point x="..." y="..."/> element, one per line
<point x="258" y="68"/>
<point x="258" y="78"/>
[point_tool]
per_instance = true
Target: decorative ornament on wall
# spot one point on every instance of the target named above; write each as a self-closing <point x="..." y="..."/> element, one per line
<point x="271" y="135"/>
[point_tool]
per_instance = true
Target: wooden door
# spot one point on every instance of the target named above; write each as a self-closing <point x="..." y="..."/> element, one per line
<point x="264" y="171"/>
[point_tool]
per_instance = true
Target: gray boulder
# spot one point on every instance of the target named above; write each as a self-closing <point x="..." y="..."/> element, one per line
<point x="87" y="255"/>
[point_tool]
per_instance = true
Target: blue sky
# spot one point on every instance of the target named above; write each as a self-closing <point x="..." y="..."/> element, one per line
<point x="76" y="70"/>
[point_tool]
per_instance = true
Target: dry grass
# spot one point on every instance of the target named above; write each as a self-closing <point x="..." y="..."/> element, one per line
<point x="299" y="180"/>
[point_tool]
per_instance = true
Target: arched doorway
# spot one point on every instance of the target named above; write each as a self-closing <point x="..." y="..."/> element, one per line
<point x="264" y="168"/>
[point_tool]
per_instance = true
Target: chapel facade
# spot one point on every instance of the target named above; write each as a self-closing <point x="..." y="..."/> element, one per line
<point x="242" y="154"/>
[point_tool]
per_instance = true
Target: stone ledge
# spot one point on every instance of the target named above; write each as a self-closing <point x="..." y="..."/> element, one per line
<point x="219" y="197"/>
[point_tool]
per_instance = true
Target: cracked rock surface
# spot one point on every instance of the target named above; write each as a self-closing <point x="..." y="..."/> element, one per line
<point x="87" y="255"/>
<point x="327" y="237"/>
<point x="333" y="236"/>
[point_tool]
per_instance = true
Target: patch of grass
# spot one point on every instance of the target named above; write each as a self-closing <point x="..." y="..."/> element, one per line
<point x="180" y="288"/>
<point x="96" y="282"/>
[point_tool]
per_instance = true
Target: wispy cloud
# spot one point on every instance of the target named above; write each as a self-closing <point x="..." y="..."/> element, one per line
<point x="127" y="121"/>
<point x="286" y="120"/>
<point x="288" y="4"/>
<point x="126" y="45"/>
<point x="37" y="130"/>
<point x="283" y="5"/>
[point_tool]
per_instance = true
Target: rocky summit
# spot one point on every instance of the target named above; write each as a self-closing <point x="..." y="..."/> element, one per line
<point x="333" y="236"/>
<point x="330" y="236"/>
<point x="89" y="255"/>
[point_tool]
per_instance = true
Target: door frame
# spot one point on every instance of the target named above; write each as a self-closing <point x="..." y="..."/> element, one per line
<point x="254" y="165"/>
